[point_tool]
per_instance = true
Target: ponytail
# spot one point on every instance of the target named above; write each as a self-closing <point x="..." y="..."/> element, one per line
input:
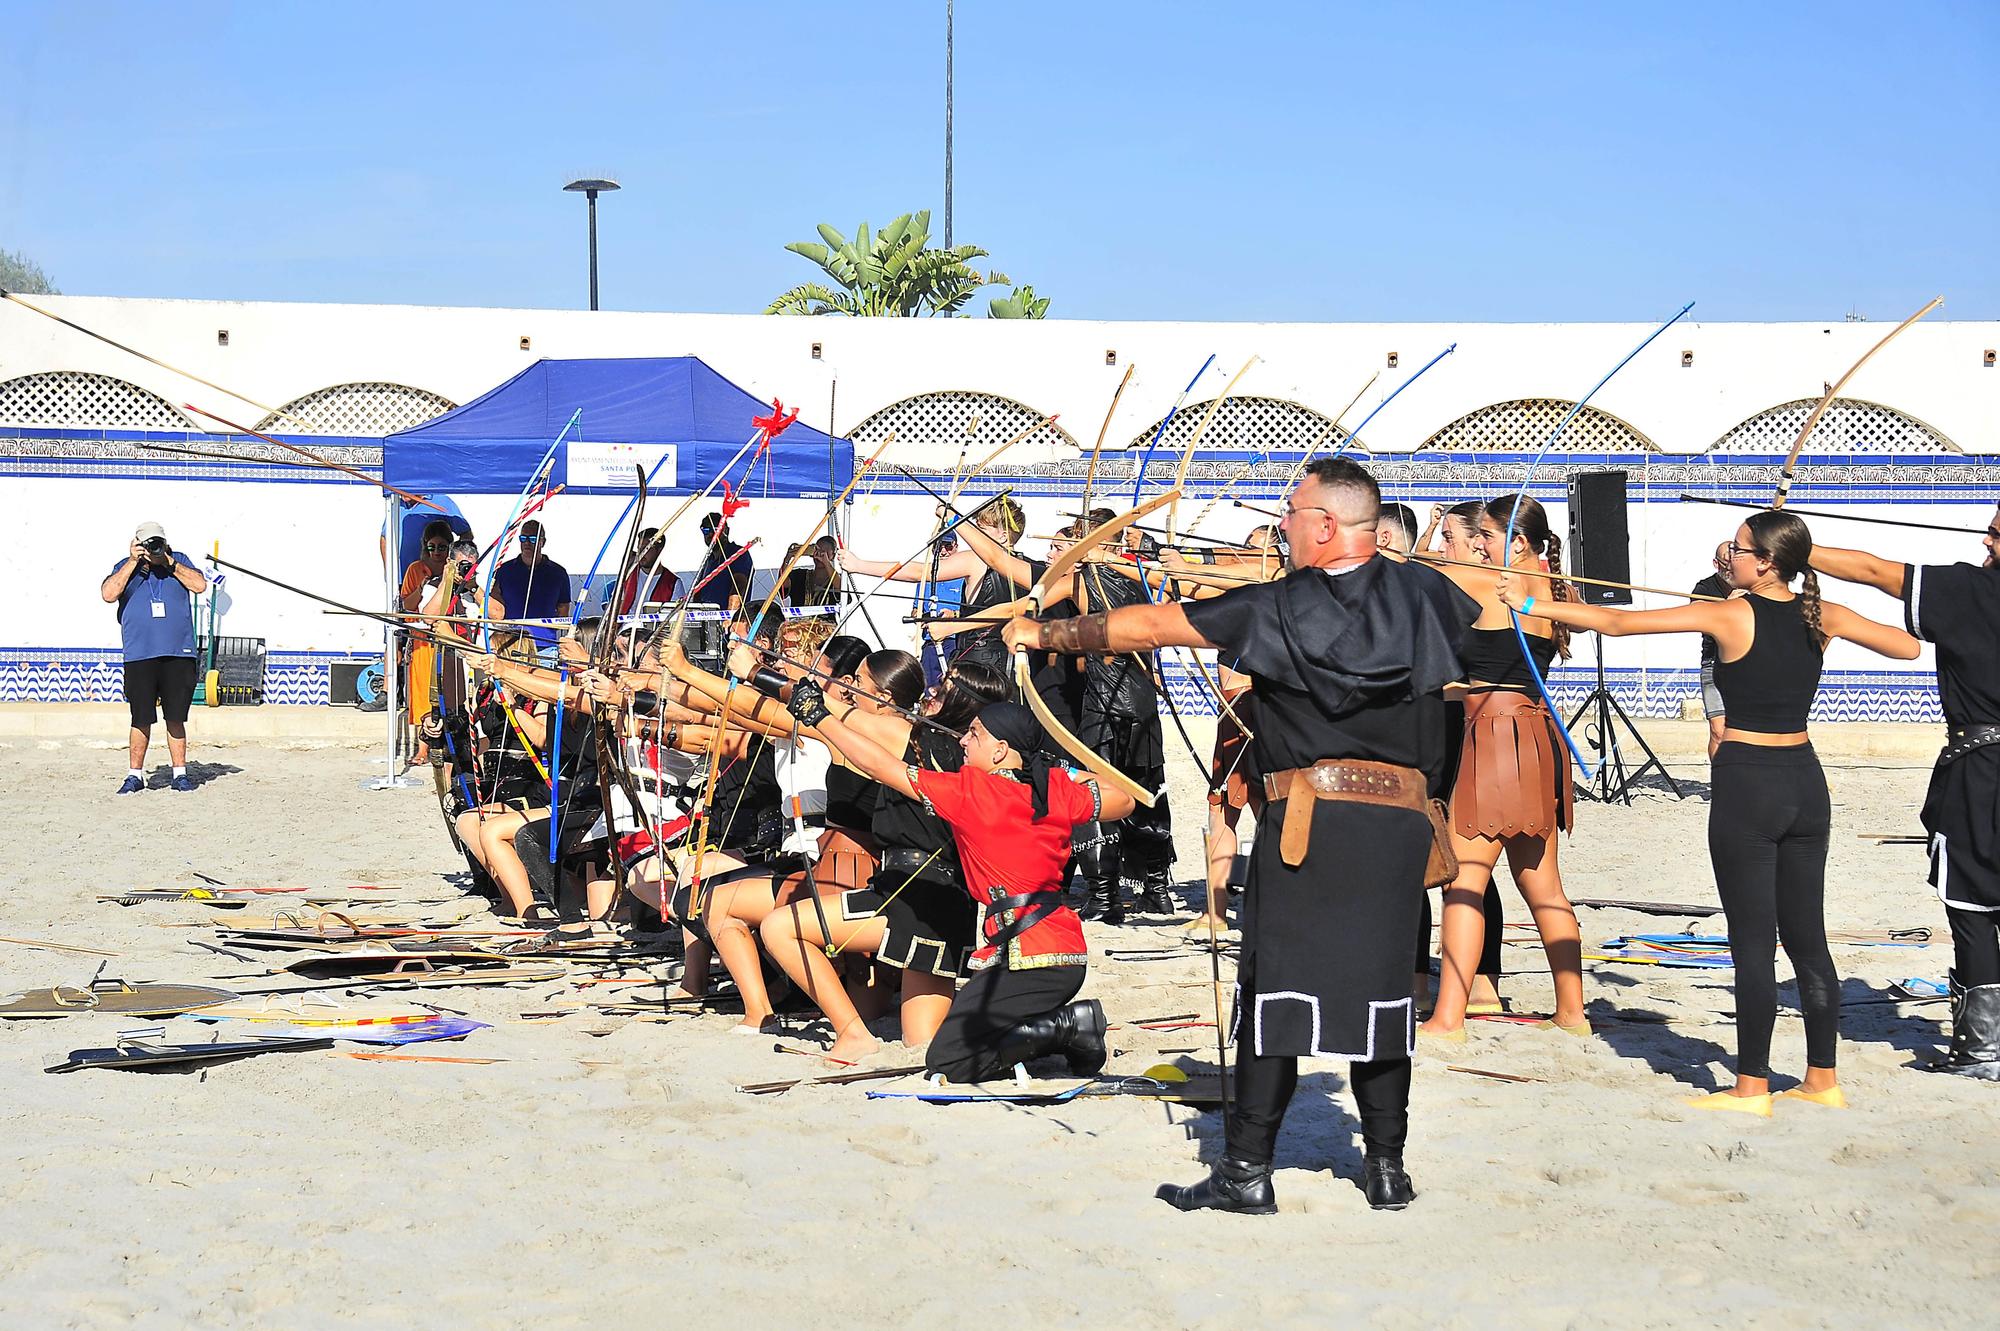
<point x="1560" y="590"/>
<point x="1809" y="607"/>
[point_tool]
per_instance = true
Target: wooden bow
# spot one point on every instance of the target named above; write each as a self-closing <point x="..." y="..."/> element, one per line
<point x="1826" y="400"/>
<point x="1058" y="569"/>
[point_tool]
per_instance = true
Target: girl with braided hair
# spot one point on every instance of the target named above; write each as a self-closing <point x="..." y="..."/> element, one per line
<point x="1512" y="793"/>
<point x="1769" y="815"/>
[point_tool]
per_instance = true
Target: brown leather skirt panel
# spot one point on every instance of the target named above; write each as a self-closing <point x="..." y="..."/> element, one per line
<point x="1513" y="771"/>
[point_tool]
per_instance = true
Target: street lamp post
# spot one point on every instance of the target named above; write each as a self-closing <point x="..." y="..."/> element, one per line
<point x="590" y="188"/>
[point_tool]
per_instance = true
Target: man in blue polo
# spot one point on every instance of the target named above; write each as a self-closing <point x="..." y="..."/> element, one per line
<point x="154" y="589"/>
<point x="533" y="586"/>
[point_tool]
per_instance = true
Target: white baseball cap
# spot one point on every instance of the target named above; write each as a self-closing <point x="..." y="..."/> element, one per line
<point x="149" y="531"/>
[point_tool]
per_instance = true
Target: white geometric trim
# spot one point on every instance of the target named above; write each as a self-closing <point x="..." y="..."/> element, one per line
<point x="1941" y="867"/>
<point x="1406" y="1005"/>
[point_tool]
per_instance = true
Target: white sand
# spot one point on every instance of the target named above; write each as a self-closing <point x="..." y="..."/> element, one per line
<point x="308" y="1190"/>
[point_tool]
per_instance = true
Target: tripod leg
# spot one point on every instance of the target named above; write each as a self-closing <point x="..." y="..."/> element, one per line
<point x="1652" y="759"/>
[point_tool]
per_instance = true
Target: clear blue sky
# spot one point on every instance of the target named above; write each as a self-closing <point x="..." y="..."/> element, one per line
<point x="1133" y="160"/>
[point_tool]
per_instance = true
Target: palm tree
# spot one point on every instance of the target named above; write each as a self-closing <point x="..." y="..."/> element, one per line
<point x="890" y="273"/>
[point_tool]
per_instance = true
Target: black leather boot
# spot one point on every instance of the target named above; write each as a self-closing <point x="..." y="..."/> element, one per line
<point x="1097" y="859"/>
<point x="1385" y="1184"/>
<point x="1076" y="1031"/>
<point x="1156" y="893"/>
<point x="1082" y="1028"/>
<point x="1231" y="1185"/>
<point x="1975" y="1033"/>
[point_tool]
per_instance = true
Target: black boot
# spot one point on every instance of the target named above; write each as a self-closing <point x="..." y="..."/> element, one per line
<point x="1083" y="1029"/>
<point x="1975" y="1033"/>
<point x="1075" y="1030"/>
<point x="1156" y="894"/>
<point x="1097" y="859"/>
<point x="1231" y="1185"/>
<point x="1385" y="1184"/>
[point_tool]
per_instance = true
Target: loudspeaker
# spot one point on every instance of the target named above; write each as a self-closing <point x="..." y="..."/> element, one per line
<point x="1599" y="545"/>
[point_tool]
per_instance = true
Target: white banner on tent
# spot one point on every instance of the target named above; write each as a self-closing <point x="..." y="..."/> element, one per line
<point x="609" y="466"/>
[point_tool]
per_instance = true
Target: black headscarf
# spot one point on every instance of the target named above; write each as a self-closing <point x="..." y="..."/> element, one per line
<point x="1017" y="726"/>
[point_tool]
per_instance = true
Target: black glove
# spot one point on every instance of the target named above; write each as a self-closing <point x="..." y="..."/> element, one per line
<point x="808" y="703"/>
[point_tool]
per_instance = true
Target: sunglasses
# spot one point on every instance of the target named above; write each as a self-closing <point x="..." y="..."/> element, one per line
<point x="1735" y="550"/>
<point x="531" y="540"/>
<point x="430" y="546"/>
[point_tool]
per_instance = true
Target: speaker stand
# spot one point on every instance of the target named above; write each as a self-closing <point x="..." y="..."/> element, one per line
<point x="1601" y="737"/>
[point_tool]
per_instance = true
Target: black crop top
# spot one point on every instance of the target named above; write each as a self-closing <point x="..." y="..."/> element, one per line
<point x="1493" y="656"/>
<point x="1769" y="689"/>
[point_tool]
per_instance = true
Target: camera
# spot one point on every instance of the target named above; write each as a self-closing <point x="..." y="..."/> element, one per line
<point x="155" y="546"/>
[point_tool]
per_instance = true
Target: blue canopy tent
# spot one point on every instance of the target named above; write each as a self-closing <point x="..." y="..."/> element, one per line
<point x="673" y="411"/>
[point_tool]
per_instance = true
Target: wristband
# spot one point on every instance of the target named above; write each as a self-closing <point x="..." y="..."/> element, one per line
<point x="646" y="703"/>
<point x="1082" y="635"/>
<point x="1528" y="605"/>
<point x="771" y="683"/>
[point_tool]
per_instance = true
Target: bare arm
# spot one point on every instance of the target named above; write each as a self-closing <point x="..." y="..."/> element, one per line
<point x="1882" y="639"/>
<point x="1132" y="628"/>
<point x="1725" y="621"/>
<point x="190" y="577"/>
<point x="860" y="751"/>
<point x="113" y="587"/>
<point x="960" y="563"/>
<point x="993" y="555"/>
<point x="1112" y="803"/>
<point x="1859" y="566"/>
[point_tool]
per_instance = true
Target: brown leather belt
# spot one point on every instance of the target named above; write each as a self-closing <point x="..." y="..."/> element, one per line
<point x="1356" y="782"/>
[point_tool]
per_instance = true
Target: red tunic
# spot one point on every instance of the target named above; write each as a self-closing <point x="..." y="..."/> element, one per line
<point x="1006" y="851"/>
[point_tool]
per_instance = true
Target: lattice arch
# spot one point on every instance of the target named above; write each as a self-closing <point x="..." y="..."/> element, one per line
<point x="1256" y="424"/>
<point x="77" y="398"/>
<point x="1849" y="426"/>
<point x="363" y="409"/>
<point x="1526" y="424"/>
<point x="938" y="421"/>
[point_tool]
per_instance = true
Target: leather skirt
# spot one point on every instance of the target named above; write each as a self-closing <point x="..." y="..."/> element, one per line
<point x="1513" y="769"/>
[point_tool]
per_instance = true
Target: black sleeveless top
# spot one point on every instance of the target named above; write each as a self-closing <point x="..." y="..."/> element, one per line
<point x="1494" y="656"/>
<point x="902" y="823"/>
<point x="850" y="799"/>
<point x="993" y="588"/>
<point x="1769" y="689"/>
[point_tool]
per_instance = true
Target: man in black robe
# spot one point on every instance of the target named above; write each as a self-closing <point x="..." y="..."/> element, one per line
<point x="1348" y="653"/>
<point x="1957" y="607"/>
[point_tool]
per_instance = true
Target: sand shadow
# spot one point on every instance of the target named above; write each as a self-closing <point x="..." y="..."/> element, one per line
<point x="1646" y="1035"/>
<point x="200" y="773"/>
<point x="1880" y="1016"/>
<point x="1318" y="1133"/>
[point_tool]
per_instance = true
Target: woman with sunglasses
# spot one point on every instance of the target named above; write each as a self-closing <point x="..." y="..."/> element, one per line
<point x="1769" y="814"/>
<point x="1512" y="792"/>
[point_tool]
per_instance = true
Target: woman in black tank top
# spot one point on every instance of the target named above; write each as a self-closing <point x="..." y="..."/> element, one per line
<point x="993" y="574"/>
<point x="1769" y="815"/>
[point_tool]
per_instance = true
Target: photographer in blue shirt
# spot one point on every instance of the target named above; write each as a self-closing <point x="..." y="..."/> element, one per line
<point x="154" y="590"/>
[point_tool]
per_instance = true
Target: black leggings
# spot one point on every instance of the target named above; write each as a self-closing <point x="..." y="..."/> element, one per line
<point x="1975" y="941"/>
<point x="1769" y="818"/>
<point x="1496" y="928"/>
<point x="1264" y="1085"/>
<point x="967" y="1047"/>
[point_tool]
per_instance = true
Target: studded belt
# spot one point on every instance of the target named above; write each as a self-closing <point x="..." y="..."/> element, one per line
<point x="1962" y="740"/>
